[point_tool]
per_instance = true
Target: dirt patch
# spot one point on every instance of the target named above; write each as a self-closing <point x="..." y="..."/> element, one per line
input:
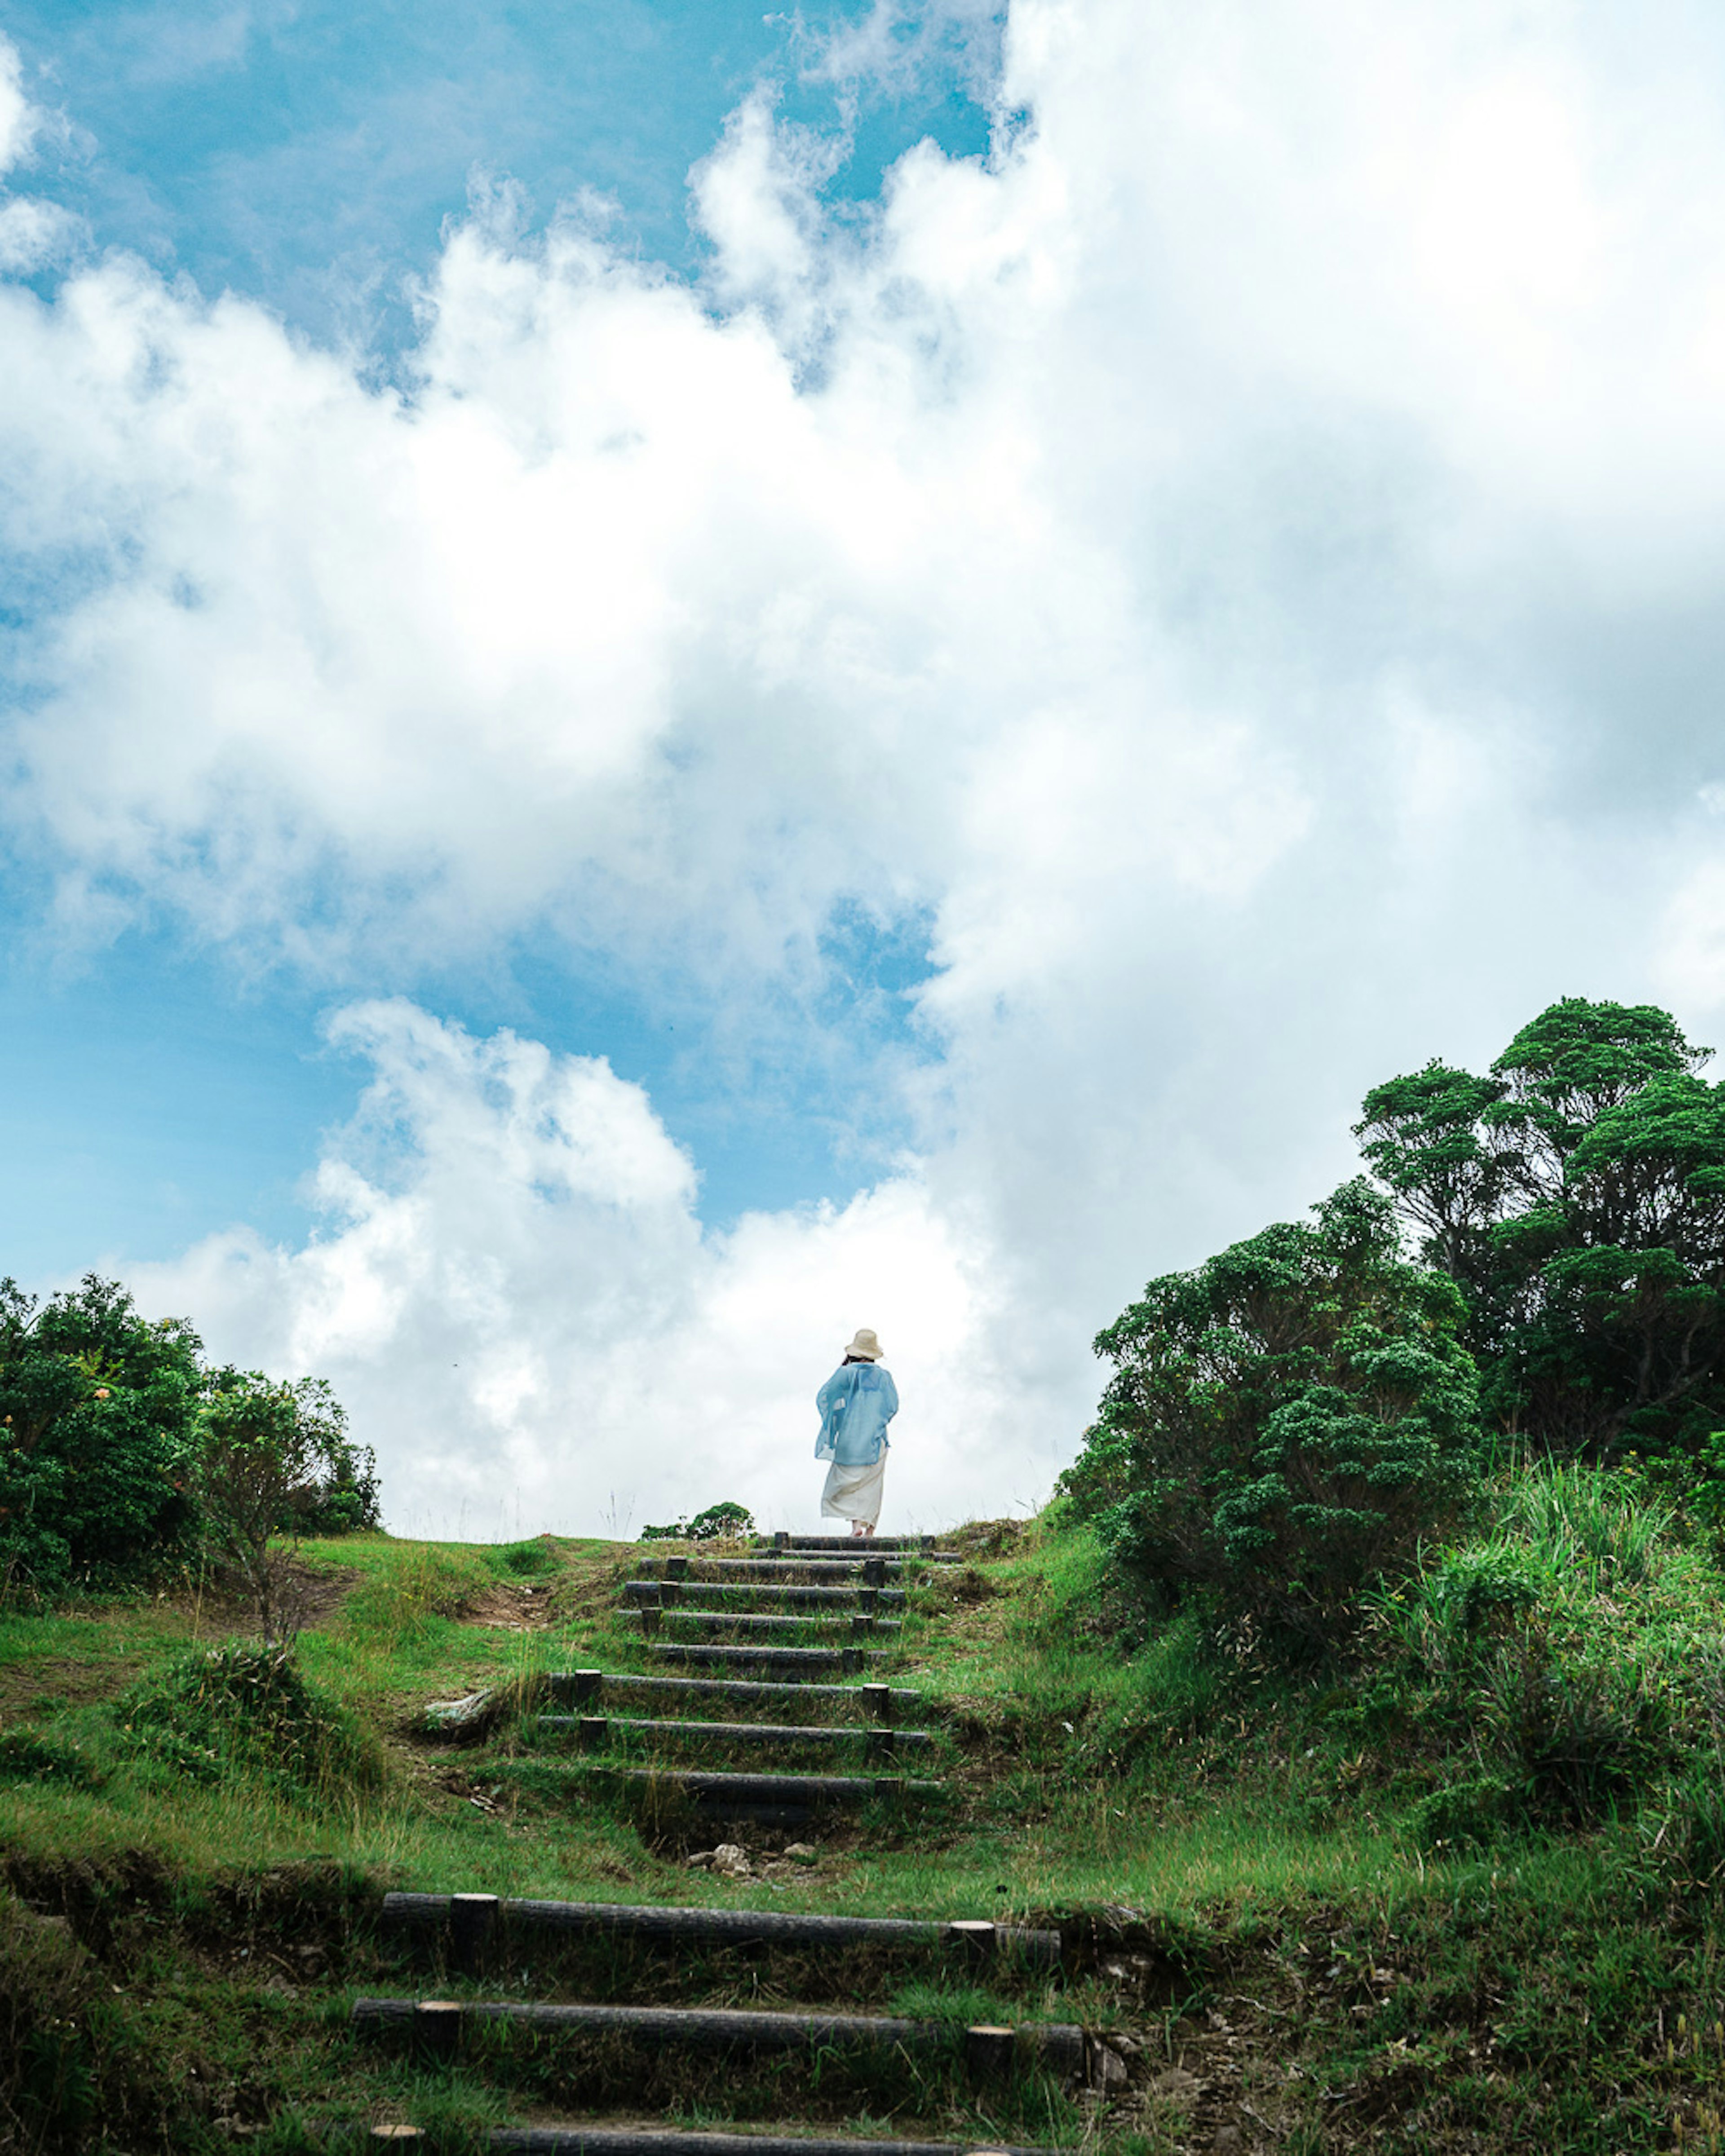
<point x="512" y="1608"/>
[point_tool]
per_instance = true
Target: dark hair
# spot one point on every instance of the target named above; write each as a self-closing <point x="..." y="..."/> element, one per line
<point x="856" y="1358"/>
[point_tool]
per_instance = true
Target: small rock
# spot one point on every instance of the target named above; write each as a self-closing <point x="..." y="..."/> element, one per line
<point x="805" y="1852"/>
<point x="1107" y="2069"/>
<point x="457" y="1713"/>
<point x="1228" y="2140"/>
<point x="700" y="1860"/>
<point x="731" y="1860"/>
<point x="1177" y="2084"/>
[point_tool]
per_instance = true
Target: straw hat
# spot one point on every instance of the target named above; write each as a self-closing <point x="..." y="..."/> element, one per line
<point x="865" y="1346"/>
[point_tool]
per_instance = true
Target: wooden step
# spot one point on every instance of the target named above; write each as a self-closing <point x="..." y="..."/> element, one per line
<point x="860" y="1625"/>
<point x="600" y="1729"/>
<point x="874" y="1704"/>
<point x="915" y="1546"/>
<point x="714" y="1789"/>
<point x="791" y="1662"/>
<point x="1055" y="2047"/>
<point x="671" y="1594"/>
<point x="810" y="1567"/>
<point x="461" y="1917"/>
<point x="670" y="2141"/>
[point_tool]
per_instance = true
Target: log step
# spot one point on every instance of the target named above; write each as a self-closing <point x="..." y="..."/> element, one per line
<point x="717" y="1789"/>
<point x="813" y="1567"/>
<point x="792" y="1662"/>
<point x="668" y="1593"/>
<point x="738" y="1620"/>
<point x="651" y="1922"/>
<point x="593" y="1686"/>
<point x="647" y="2141"/>
<point x="597" y="1729"/>
<point x="912" y="1546"/>
<point x="437" y="2024"/>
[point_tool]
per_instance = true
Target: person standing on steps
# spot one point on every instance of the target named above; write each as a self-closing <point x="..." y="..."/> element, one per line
<point x="856" y="1404"/>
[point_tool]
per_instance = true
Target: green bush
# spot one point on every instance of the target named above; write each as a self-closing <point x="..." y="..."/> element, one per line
<point x="1565" y="1665"/>
<point x="524" y="1560"/>
<point x="119" y="1449"/>
<point x="1284" y="1425"/>
<point x="27" y="1756"/>
<point x="246" y="1709"/>
<point x="96" y="1413"/>
<point x="722" y="1522"/>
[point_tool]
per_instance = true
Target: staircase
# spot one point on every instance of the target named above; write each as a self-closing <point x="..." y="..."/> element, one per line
<point x="792" y="1721"/>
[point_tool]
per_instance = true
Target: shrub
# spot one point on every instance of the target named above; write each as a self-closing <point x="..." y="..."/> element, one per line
<point x="1564" y="1664"/>
<point x="97" y="1410"/>
<point x="118" y="1448"/>
<point x="269" y="1457"/>
<point x="243" y="1708"/>
<point x="525" y="1559"/>
<point x="1285" y="1424"/>
<point x="73" y="2075"/>
<point x="721" y="1523"/>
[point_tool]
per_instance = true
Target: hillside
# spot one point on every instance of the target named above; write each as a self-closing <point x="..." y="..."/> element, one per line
<point x="1271" y="1932"/>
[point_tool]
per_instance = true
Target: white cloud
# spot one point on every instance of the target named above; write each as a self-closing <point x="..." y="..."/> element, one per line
<point x="512" y="1294"/>
<point x="1241" y="557"/>
<point x="19" y="120"/>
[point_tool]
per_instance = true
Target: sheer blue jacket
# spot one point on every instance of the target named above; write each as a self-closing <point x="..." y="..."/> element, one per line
<point x="856" y="1404"/>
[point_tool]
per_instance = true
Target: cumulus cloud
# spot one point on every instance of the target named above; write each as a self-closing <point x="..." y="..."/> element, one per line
<point x="1237" y="560"/>
<point x="511" y="1292"/>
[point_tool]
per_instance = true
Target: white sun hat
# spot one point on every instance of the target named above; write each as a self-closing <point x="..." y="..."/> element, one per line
<point x="865" y="1346"/>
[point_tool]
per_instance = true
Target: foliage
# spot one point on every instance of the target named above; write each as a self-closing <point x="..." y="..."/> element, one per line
<point x="119" y="1449"/>
<point x="1286" y="1423"/>
<point x="96" y="1415"/>
<point x="1563" y="1663"/>
<point x="269" y="1457"/>
<point x="524" y="1560"/>
<point x="721" y="1523"/>
<point x="249" y="1709"/>
<point x="1577" y="1197"/>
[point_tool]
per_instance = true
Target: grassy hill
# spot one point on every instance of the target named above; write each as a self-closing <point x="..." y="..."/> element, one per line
<point x="1309" y="1911"/>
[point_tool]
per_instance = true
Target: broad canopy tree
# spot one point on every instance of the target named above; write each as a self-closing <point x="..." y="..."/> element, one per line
<point x="118" y="1445"/>
<point x="1576" y="1195"/>
<point x="1292" y="1418"/>
<point x="1284" y="1422"/>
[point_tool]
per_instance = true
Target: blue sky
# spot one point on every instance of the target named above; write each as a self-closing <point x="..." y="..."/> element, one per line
<point x="306" y="154"/>
<point x="673" y="679"/>
<point x="306" y="157"/>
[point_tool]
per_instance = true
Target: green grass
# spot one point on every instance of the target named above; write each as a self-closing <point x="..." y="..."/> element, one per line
<point x="1245" y="1861"/>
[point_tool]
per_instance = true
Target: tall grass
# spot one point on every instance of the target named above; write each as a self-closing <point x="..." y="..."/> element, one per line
<point x="1566" y="1662"/>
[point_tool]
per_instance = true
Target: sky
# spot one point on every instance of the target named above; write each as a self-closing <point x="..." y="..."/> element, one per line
<point x="674" y="680"/>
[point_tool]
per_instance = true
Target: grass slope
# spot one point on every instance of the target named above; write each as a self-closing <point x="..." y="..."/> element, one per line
<point x="1314" y="1913"/>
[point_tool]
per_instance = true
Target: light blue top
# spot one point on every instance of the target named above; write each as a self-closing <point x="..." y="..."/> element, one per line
<point x="856" y="1404"/>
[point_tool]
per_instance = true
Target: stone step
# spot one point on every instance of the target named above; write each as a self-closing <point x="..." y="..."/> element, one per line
<point x="673" y="1593"/>
<point x="874" y="1704"/>
<point x="989" y="2052"/>
<point x="859" y="1625"/>
<point x="584" y="2140"/>
<point x="597" y="1730"/>
<point x="470" y="1925"/>
<point x="790" y="1662"/>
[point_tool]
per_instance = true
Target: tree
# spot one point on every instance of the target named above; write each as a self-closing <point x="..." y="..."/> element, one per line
<point x="96" y="1412"/>
<point x="269" y="1457"/>
<point x="1577" y="1197"/>
<point x="1284" y="1422"/>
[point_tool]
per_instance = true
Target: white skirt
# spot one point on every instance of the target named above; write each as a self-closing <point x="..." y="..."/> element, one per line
<point x="854" y="1493"/>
